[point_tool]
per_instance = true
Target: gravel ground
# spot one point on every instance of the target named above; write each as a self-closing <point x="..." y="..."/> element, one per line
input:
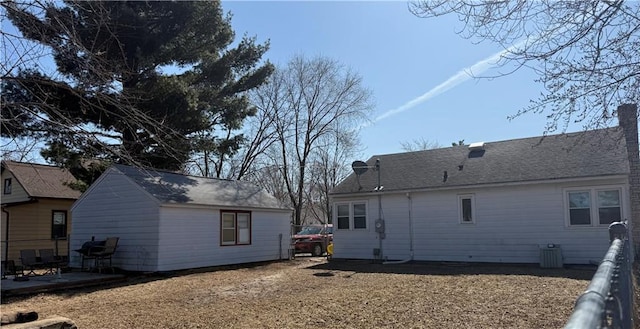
<point x="311" y="293"/>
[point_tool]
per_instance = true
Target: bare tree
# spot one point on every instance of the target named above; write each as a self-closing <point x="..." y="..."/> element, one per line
<point x="420" y="144"/>
<point x="331" y="164"/>
<point x="258" y="135"/>
<point x="19" y="149"/>
<point x="310" y="101"/>
<point x="586" y="53"/>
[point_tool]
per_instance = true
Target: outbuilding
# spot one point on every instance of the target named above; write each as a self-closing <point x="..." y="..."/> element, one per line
<point x="168" y="221"/>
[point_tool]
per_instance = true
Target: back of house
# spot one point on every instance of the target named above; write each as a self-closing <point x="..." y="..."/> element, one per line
<point x="544" y="199"/>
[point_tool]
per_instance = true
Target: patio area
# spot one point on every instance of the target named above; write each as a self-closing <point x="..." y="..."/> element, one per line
<point x="53" y="282"/>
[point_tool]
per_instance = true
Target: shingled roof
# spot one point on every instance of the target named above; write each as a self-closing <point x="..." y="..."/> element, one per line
<point x="42" y="181"/>
<point x="592" y="153"/>
<point x="175" y="188"/>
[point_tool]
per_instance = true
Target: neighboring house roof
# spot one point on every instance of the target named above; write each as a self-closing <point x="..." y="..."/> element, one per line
<point x="566" y="156"/>
<point x="174" y="188"/>
<point x="42" y="181"/>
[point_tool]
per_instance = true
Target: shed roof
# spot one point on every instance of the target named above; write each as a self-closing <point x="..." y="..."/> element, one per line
<point x="42" y="181"/>
<point x="592" y="153"/>
<point x="175" y="188"/>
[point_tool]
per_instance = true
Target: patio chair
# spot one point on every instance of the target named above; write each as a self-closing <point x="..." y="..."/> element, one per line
<point x="105" y="253"/>
<point x="49" y="260"/>
<point x="30" y="261"/>
<point x="10" y="268"/>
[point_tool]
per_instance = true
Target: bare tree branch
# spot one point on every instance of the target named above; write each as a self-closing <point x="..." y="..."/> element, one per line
<point x="586" y="53"/>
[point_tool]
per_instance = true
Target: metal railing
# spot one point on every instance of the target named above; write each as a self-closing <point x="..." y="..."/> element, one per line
<point x="10" y="249"/>
<point x="608" y="300"/>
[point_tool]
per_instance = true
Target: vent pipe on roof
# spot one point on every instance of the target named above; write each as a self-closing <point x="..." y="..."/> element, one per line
<point x="476" y="146"/>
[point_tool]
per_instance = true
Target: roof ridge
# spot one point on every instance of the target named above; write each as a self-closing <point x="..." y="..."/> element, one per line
<point x="32" y="164"/>
<point x="568" y="134"/>
<point x="165" y="171"/>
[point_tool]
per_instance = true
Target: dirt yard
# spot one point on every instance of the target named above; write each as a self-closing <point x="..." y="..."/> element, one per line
<point x="311" y="293"/>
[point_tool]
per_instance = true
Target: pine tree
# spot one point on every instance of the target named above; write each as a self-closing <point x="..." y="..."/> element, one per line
<point x="136" y="81"/>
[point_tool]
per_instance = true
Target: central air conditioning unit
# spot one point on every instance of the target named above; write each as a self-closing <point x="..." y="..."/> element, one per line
<point x="551" y="256"/>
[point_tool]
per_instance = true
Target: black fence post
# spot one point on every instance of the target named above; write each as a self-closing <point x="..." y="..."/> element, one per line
<point x="623" y="285"/>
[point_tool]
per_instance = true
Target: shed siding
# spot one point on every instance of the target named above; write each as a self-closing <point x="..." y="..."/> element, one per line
<point x="511" y="224"/>
<point x="116" y="207"/>
<point x="190" y="238"/>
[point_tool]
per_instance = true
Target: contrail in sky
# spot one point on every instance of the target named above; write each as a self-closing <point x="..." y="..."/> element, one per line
<point x="458" y="78"/>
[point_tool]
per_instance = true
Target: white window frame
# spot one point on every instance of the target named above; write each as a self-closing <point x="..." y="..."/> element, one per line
<point x="474" y="214"/>
<point x="351" y="204"/>
<point x="594" y="209"/>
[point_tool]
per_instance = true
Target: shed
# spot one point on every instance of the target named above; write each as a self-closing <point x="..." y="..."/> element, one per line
<point x="169" y="221"/>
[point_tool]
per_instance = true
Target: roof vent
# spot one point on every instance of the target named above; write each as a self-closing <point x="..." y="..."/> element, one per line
<point x="476" y="146"/>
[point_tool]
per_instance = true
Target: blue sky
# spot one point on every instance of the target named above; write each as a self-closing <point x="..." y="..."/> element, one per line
<point x="400" y="57"/>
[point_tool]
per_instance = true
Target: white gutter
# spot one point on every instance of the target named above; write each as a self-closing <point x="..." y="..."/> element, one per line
<point x="486" y="185"/>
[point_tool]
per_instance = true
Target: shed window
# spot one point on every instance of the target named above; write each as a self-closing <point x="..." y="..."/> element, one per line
<point x="352" y="215"/>
<point x="7" y="186"/>
<point x="235" y="228"/>
<point x="59" y="224"/>
<point x="594" y="207"/>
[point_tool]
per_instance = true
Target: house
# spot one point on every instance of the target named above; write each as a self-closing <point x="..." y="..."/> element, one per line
<point x="36" y="204"/>
<point x="168" y="221"/>
<point x="491" y="202"/>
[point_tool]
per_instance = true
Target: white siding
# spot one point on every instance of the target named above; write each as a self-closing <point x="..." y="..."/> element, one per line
<point x="357" y="243"/>
<point x="116" y="207"/>
<point x="511" y="224"/>
<point x="190" y="238"/>
<point x="165" y="238"/>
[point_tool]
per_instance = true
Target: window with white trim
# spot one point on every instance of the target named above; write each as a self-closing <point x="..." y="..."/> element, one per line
<point x="466" y="208"/>
<point x="351" y="215"/>
<point x="594" y="207"/>
<point x="235" y="228"/>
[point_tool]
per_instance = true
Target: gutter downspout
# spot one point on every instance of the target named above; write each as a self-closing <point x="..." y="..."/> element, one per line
<point x="380" y="235"/>
<point x="410" y="237"/>
<point x="6" y="236"/>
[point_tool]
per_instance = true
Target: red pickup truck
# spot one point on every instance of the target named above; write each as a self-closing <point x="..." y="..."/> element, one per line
<point x="313" y="239"/>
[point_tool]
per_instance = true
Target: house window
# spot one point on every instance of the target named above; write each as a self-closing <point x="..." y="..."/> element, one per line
<point x="580" y="208"/>
<point x="235" y="228"/>
<point x="609" y="210"/>
<point x="351" y="215"/>
<point x="7" y="186"/>
<point x="343" y="216"/>
<point x="593" y="207"/>
<point x="59" y="224"/>
<point x="466" y="208"/>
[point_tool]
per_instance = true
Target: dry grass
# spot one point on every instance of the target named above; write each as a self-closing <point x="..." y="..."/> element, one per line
<point x="310" y="293"/>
